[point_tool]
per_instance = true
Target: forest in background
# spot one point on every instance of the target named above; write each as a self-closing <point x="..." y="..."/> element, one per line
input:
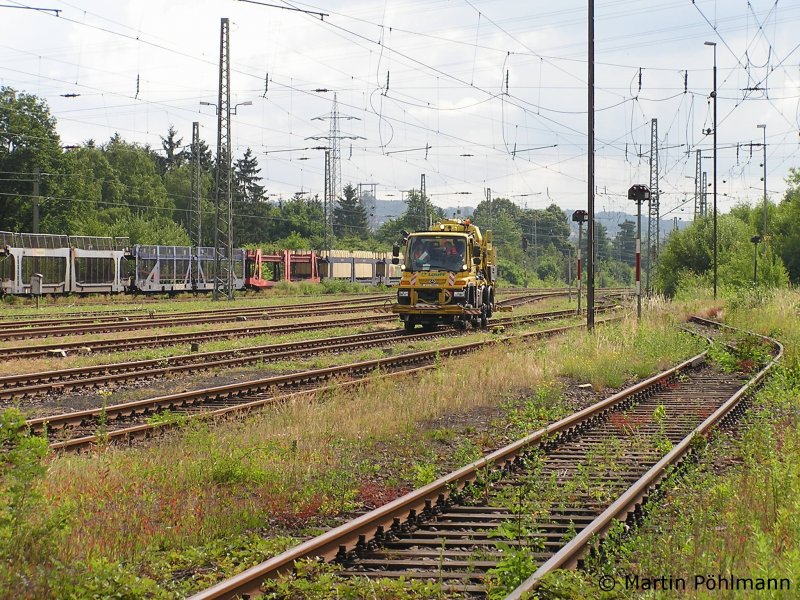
<point x="123" y="189"/>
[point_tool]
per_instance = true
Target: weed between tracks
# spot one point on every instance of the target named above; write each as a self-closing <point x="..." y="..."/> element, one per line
<point x="170" y="517"/>
<point x="730" y="524"/>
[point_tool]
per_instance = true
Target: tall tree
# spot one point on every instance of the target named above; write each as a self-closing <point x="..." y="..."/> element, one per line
<point x="349" y="216"/>
<point x="246" y="179"/>
<point x="485" y="212"/>
<point x="624" y="244"/>
<point x="250" y="207"/>
<point x="546" y="227"/>
<point x="174" y="154"/>
<point x="136" y="169"/>
<point x="28" y="142"/>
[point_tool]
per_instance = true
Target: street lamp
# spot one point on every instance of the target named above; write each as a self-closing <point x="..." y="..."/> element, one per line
<point x="755" y="239"/>
<point x="580" y="217"/>
<point x="233" y="110"/>
<point x="714" y="96"/>
<point x="639" y="194"/>
<point x="764" y="178"/>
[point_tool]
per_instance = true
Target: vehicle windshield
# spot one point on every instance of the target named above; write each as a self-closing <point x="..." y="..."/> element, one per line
<point x="436" y="253"/>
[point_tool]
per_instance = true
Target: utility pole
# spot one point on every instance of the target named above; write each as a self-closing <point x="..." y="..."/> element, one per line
<point x="714" y="96"/>
<point x="698" y="187"/>
<point x="764" y="178"/>
<point x="372" y="192"/>
<point x="704" y="193"/>
<point x="489" y="201"/>
<point x="223" y="231"/>
<point x="326" y="200"/>
<point x="422" y="198"/>
<point x="653" y="229"/>
<point x="590" y="178"/>
<point x="196" y="214"/>
<point x="333" y="161"/>
<point x="36" y="174"/>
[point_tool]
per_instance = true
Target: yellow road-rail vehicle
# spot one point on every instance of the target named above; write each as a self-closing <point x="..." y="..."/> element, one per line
<point x="448" y="276"/>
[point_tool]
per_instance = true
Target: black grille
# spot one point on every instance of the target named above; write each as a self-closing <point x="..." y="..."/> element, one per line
<point x="429" y="296"/>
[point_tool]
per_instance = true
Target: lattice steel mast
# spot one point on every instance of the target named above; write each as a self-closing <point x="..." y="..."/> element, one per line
<point x="223" y="232"/>
<point x="699" y="208"/>
<point x="653" y="226"/>
<point x="196" y="212"/>
<point x="333" y="163"/>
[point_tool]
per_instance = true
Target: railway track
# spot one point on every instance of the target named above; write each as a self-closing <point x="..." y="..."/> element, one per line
<point x="172" y="339"/>
<point x="228" y="316"/>
<point x="96" y="323"/>
<point x="545" y="497"/>
<point x="97" y="317"/>
<point x="78" y="430"/>
<point x="15" y="387"/>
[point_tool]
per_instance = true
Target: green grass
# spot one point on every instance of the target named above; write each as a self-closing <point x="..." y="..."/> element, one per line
<point x="187" y="508"/>
<point x="736" y="517"/>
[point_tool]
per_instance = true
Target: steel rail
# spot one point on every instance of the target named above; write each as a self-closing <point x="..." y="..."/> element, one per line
<point x="146" y="302"/>
<point x="242" y="314"/>
<point x="184" y="400"/>
<point x="58" y="328"/>
<point x="113" y="345"/>
<point x="172" y="339"/>
<point x="145" y="429"/>
<point x="348" y="536"/>
<point x="144" y="314"/>
<point x="92" y="317"/>
<point x="569" y="555"/>
<point x="25" y="385"/>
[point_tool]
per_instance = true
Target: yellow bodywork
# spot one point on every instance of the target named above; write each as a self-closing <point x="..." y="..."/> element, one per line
<point x="428" y="296"/>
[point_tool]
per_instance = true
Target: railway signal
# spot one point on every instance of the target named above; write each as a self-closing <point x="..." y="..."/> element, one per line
<point x="580" y="217"/>
<point x="639" y="194"/>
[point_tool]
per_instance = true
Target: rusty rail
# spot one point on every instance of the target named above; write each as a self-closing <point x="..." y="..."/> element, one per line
<point x="58" y="380"/>
<point x="569" y="555"/>
<point x="346" y="537"/>
<point x="261" y="386"/>
<point x="426" y="501"/>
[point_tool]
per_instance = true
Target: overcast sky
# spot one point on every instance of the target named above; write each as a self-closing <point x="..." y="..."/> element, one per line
<point x="424" y="82"/>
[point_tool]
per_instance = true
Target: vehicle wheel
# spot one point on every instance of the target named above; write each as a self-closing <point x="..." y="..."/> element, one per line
<point x="471" y="296"/>
<point x="427" y="327"/>
<point x="485" y="317"/>
<point x="490" y="304"/>
<point x="460" y="325"/>
<point x="408" y="325"/>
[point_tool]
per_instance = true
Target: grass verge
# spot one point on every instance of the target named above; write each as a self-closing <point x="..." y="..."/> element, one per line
<point x="164" y="519"/>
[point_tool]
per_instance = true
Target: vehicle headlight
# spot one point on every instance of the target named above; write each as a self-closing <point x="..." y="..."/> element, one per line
<point x="403" y="293"/>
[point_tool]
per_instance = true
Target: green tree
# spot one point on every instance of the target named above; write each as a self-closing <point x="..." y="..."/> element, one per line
<point x="135" y="167"/>
<point x="783" y="226"/>
<point x="153" y="229"/>
<point x="546" y="226"/>
<point x="250" y="208"/>
<point x="174" y="154"/>
<point x="687" y="256"/>
<point x="623" y="246"/>
<point x="29" y="142"/>
<point x="96" y="191"/>
<point x="349" y="215"/>
<point x="419" y="210"/>
<point x="300" y="216"/>
<point x="485" y="212"/>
